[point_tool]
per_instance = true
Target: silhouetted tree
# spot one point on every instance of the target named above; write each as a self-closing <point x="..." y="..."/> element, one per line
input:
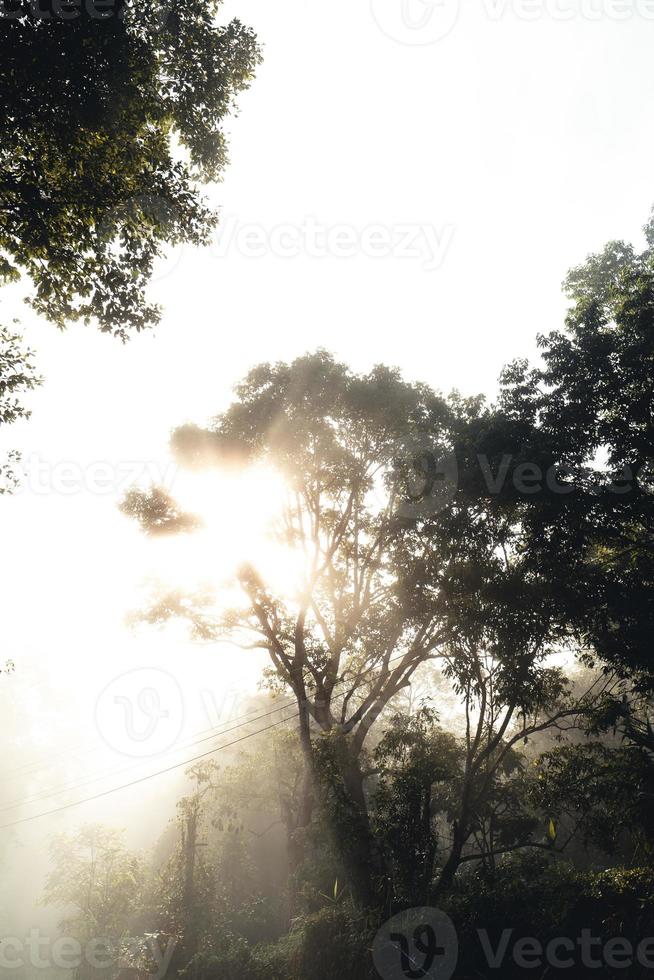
<point x="399" y="568"/>
<point x="586" y="416"/>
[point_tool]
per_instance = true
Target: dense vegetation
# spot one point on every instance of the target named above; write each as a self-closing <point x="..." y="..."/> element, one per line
<point x="498" y="556"/>
<point x="110" y="125"/>
<point x="492" y="559"/>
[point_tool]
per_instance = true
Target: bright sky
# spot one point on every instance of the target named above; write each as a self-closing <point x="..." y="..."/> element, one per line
<point x="498" y="155"/>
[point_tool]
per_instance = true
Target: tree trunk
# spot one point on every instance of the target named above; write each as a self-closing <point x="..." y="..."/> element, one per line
<point x="354" y="837"/>
<point x="297" y="823"/>
<point x="298" y="818"/>
<point x="453" y="862"/>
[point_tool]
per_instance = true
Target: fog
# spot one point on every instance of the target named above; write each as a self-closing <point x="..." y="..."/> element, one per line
<point x="493" y="158"/>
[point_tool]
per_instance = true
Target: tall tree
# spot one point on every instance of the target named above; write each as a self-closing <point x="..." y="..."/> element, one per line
<point x="357" y="631"/>
<point x="395" y="572"/>
<point x="586" y="417"/>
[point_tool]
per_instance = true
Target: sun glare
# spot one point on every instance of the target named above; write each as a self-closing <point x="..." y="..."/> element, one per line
<point x="239" y="514"/>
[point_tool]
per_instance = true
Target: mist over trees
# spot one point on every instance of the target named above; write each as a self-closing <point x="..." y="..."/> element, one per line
<point x="496" y="556"/>
<point x="497" y="543"/>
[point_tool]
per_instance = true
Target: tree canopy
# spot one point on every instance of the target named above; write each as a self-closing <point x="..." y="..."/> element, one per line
<point x="110" y="124"/>
<point x="397" y="568"/>
<point x="586" y="414"/>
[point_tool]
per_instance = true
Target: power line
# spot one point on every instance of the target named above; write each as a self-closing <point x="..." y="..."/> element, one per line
<point x="178" y="765"/>
<point x="135" y="782"/>
<point x="216" y="733"/>
<point x="35" y="765"/>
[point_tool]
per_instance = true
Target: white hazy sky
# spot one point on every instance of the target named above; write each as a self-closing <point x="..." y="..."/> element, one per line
<point x="520" y="144"/>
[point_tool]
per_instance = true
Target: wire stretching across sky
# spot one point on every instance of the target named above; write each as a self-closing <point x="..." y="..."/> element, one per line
<point x="80" y="784"/>
<point x="168" y="769"/>
<point x="142" y="779"/>
<point x="35" y="765"/>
